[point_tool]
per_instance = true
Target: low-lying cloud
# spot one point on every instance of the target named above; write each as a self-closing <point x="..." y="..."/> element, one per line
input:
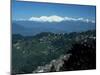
<point x="55" y="18"/>
<point x="47" y="19"/>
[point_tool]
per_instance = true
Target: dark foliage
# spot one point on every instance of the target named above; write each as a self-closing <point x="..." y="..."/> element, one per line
<point x="83" y="57"/>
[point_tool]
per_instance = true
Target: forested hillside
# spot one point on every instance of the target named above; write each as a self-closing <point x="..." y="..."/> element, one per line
<point x="30" y="52"/>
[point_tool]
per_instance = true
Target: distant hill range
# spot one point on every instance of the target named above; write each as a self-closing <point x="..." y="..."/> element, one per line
<point x="28" y="28"/>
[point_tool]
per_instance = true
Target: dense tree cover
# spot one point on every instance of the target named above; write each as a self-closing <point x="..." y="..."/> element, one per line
<point x="29" y="52"/>
<point x="83" y="56"/>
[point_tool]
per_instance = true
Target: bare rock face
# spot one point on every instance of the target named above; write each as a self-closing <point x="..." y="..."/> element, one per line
<point x="54" y="65"/>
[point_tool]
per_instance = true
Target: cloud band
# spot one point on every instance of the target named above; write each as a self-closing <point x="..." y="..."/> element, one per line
<point x="55" y="18"/>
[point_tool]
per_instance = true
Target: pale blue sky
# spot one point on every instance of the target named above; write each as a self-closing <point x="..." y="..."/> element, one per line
<point x="29" y="9"/>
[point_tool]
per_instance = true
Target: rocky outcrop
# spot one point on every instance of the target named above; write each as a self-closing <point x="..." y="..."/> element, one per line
<point x="54" y="65"/>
